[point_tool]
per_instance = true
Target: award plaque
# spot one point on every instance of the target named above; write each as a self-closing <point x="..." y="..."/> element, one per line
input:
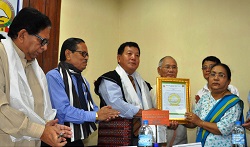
<point x="173" y="95"/>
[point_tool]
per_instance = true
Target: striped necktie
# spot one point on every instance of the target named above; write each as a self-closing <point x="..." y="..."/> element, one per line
<point x="136" y="121"/>
<point x="132" y="81"/>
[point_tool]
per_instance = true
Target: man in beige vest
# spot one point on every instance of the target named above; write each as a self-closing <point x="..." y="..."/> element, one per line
<point x="25" y="109"/>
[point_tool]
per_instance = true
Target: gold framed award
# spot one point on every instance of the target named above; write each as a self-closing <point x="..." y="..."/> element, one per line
<point x="173" y="94"/>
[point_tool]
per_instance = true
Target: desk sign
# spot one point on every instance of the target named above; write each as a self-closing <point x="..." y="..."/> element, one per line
<point x="156" y="117"/>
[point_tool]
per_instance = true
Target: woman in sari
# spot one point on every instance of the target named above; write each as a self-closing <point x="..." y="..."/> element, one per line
<point x="216" y="112"/>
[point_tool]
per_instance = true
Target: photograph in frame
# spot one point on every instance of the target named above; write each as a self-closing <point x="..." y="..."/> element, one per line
<point x="173" y="94"/>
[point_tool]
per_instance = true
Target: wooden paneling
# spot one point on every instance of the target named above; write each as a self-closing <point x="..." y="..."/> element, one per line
<point x="52" y="8"/>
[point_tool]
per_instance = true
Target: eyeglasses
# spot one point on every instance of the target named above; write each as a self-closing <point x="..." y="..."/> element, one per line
<point x="170" y="67"/>
<point x="83" y="53"/>
<point x="207" y="67"/>
<point x="44" y="41"/>
<point x="220" y="75"/>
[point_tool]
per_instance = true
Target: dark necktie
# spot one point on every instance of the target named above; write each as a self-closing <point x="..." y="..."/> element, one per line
<point x="136" y="121"/>
<point x="132" y="81"/>
<point x="82" y="98"/>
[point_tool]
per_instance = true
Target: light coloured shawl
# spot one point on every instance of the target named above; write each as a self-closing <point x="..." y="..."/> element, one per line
<point x="130" y="94"/>
<point x="21" y="97"/>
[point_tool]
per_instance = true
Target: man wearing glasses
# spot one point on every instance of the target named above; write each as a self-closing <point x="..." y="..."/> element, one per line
<point x="207" y="64"/>
<point x="70" y="93"/>
<point x="25" y="109"/>
<point x="175" y="134"/>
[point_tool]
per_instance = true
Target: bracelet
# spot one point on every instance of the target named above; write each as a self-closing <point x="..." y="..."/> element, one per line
<point x="96" y="116"/>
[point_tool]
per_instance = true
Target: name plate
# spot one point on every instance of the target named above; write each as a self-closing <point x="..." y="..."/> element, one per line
<point x="156" y="117"/>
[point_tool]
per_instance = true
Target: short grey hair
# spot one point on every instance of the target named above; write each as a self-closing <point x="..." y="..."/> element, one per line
<point x="161" y="61"/>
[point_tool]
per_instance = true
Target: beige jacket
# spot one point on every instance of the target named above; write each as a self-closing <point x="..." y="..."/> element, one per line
<point x="13" y="122"/>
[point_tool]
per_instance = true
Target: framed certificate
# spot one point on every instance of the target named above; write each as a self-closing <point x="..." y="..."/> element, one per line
<point x="173" y="95"/>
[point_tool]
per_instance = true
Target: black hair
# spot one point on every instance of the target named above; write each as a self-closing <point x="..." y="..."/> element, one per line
<point x="129" y="44"/>
<point x="211" y="58"/>
<point x="1" y="37"/>
<point x="70" y="44"/>
<point x="29" y="19"/>
<point x="226" y="68"/>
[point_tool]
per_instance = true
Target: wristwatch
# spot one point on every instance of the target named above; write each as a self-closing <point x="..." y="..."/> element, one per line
<point x="96" y="116"/>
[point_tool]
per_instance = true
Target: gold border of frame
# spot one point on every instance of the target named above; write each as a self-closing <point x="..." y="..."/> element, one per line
<point x="159" y="81"/>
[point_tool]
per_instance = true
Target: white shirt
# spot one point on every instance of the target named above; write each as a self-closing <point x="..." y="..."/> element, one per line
<point x="205" y="90"/>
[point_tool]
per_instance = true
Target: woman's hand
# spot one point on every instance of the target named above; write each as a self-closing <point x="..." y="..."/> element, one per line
<point x="192" y="118"/>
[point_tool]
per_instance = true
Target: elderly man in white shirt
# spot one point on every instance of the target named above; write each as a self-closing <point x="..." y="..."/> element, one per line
<point x="176" y="134"/>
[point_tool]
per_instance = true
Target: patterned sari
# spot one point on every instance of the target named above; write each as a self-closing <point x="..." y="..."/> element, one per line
<point x="217" y="112"/>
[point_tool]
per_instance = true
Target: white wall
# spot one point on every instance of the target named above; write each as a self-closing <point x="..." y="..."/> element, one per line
<point x="188" y="30"/>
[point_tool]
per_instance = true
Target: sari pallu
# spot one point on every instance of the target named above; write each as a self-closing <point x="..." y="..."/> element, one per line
<point x="217" y="112"/>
